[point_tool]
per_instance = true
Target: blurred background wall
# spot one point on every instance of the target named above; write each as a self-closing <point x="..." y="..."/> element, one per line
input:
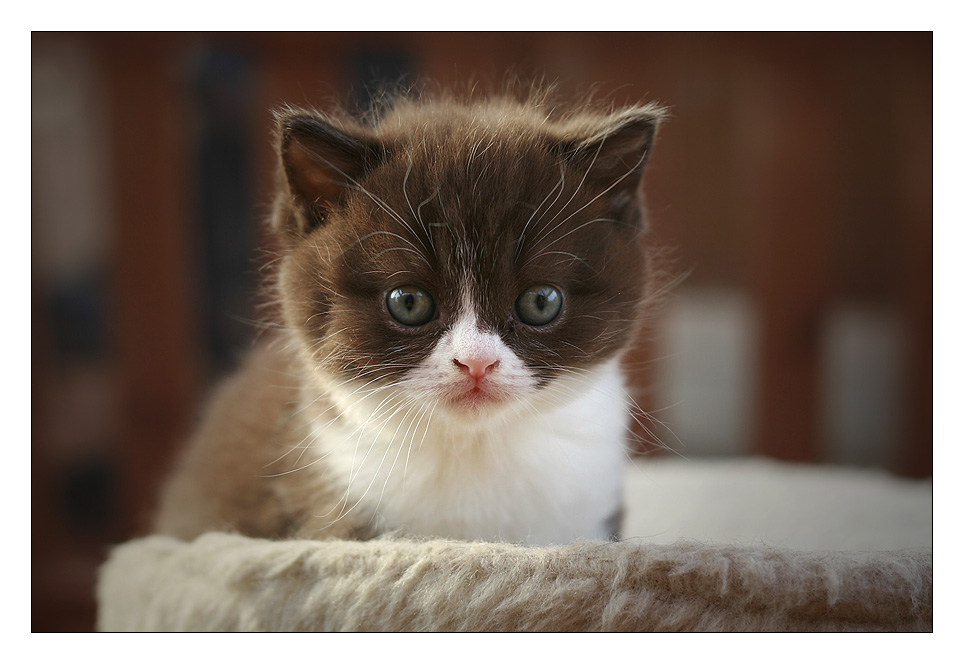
<point x="792" y="185"/>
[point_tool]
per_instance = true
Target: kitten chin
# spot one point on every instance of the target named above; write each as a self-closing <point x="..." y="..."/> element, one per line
<point x="458" y="282"/>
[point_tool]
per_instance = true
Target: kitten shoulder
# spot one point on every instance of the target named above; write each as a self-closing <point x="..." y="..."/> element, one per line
<point x="236" y="472"/>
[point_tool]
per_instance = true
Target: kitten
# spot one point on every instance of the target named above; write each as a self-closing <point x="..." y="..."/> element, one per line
<point x="458" y="281"/>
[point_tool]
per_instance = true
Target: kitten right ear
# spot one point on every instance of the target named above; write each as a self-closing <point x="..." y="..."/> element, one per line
<point x="612" y="156"/>
<point x="321" y="163"/>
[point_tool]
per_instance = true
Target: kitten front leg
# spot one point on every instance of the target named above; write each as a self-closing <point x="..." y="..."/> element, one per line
<point x="614" y="523"/>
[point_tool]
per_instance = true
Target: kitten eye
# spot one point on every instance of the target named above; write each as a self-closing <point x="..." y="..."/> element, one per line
<point x="538" y="305"/>
<point x="410" y="305"/>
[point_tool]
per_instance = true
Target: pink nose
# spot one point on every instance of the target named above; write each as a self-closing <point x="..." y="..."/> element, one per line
<point x="477" y="368"/>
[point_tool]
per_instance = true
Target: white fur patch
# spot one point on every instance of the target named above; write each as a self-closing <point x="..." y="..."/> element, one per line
<point x="521" y="465"/>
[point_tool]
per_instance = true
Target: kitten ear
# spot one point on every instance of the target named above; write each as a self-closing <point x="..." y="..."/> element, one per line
<point x="321" y="164"/>
<point x="613" y="157"/>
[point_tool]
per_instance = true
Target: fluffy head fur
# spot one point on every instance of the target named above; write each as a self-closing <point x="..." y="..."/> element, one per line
<point x="473" y="203"/>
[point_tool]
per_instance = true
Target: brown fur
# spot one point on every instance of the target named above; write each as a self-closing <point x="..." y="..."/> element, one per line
<point x="477" y="175"/>
<point x="427" y="155"/>
<point x="236" y="474"/>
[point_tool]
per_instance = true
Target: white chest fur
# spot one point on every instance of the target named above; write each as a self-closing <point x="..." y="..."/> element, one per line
<point x="548" y="475"/>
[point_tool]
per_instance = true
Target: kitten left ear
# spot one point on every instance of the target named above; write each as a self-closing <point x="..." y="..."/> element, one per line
<point x="613" y="157"/>
<point x="321" y="163"/>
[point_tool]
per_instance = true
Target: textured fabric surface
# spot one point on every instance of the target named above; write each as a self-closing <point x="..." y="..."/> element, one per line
<point x="700" y="578"/>
<point x="228" y="582"/>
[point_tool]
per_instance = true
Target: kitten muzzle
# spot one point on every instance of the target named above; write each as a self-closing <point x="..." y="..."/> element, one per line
<point x="476" y="390"/>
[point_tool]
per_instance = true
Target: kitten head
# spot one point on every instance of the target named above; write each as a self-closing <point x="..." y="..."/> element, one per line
<point x="470" y="254"/>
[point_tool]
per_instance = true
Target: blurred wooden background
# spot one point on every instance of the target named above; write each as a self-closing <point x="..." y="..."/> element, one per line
<point x="795" y="174"/>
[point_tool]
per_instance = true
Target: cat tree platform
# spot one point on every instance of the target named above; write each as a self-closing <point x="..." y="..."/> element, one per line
<point x="738" y="545"/>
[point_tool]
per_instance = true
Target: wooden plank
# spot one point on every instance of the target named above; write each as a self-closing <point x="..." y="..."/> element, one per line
<point x="156" y="342"/>
<point x="912" y="145"/>
<point x="787" y="192"/>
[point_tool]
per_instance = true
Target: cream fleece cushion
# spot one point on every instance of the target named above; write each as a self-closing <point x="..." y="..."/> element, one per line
<point x="736" y="545"/>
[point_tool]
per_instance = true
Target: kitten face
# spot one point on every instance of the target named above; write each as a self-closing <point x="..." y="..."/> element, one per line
<point x="471" y="263"/>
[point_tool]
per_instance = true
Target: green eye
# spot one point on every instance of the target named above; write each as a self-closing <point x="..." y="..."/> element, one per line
<point x="410" y="305"/>
<point x="538" y="305"/>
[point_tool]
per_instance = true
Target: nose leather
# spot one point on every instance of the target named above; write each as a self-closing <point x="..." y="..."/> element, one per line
<point x="476" y="368"/>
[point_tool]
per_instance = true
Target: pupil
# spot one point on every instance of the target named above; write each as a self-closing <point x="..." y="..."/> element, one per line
<point x="409" y="301"/>
<point x="540" y="301"/>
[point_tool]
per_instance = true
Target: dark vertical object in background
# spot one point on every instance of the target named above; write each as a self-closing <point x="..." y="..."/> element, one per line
<point x="84" y="485"/>
<point x="223" y="107"/>
<point x="912" y="94"/>
<point x="375" y="71"/>
<point x="78" y="311"/>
